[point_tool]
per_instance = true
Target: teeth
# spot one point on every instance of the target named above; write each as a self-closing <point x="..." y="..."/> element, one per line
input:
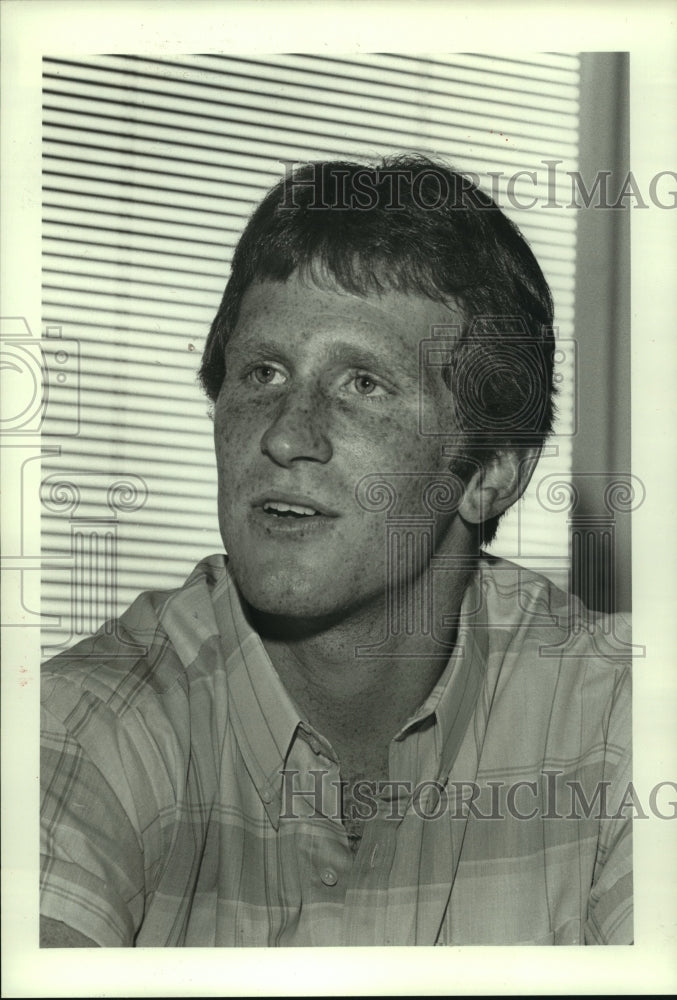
<point x="289" y="508"/>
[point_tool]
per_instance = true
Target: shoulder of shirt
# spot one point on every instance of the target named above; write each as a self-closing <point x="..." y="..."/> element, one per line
<point x="138" y="650"/>
<point x="543" y="615"/>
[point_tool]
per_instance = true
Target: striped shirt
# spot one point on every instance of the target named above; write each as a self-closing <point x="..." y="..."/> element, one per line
<point x="186" y="802"/>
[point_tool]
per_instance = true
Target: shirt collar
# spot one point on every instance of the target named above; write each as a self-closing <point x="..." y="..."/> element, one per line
<point x="452" y="701"/>
<point x="263" y="715"/>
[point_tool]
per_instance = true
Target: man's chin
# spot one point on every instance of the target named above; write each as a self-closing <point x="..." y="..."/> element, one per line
<point x="289" y="604"/>
<point x="296" y="605"/>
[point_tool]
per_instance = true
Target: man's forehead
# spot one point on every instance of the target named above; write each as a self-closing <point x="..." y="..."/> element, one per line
<point x="305" y="299"/>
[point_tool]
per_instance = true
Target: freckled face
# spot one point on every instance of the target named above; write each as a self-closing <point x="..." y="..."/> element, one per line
<point x="321" y="389"/>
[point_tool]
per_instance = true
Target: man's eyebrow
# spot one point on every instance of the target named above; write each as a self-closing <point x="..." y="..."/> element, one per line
<point x="360" y="356"/>
<point x="252" y="345"/>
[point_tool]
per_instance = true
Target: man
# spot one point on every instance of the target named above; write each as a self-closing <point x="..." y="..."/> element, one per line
<point x="356" y="728"/>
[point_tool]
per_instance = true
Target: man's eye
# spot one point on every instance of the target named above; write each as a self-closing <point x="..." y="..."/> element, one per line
<point x="267" y="375"/>
<point x="367" y="386"/>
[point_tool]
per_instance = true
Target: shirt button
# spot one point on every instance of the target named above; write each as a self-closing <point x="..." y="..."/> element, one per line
<point x="266" y="796"/>
<point x="328" y="876"/>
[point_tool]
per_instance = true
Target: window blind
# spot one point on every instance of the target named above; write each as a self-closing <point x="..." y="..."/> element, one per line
<point x="151" y="168"/>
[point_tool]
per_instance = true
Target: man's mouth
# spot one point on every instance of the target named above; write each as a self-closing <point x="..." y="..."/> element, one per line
<point x="291" y="510"/>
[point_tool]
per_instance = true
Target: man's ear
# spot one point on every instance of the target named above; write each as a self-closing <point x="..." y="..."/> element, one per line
<point x="500" y="481"/>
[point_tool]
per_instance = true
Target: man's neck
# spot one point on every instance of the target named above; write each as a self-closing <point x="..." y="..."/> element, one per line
<point x="352" y="680"/>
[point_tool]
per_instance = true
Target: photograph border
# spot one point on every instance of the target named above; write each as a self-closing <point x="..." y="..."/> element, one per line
<point x="647" y="30"/>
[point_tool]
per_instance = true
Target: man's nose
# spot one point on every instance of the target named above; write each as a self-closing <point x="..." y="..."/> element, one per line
<point x="298" y="430"/>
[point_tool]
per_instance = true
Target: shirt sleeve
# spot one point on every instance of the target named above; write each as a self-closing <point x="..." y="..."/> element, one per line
<point x="91" y="870"/>
<point x="610" y="910"/>
<point x="101" y="843"/>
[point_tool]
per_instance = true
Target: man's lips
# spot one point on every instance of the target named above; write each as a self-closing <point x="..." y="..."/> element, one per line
<point x="297" y="506"/>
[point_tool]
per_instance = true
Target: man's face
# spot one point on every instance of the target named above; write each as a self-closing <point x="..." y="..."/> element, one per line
<point x="321" y="390"/>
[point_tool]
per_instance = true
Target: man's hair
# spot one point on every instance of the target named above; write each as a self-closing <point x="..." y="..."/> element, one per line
<point x="414" y="225"/>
